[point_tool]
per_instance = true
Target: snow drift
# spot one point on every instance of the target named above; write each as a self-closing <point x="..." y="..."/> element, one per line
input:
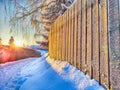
<point x="44" y="74"/>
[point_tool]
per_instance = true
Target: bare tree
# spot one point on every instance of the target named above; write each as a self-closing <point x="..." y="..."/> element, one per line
<point x="37" y="14"/>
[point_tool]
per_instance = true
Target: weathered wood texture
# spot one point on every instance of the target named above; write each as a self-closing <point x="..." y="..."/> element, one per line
<point x="84" y="36"/>
<point x="79" y="51"/>
<point x="114" y="43"/>
<point x="103" y="44"/>
<point x="89" y="39"/>
<point x="96" y="39"/>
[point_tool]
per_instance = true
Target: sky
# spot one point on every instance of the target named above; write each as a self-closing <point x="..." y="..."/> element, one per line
<point x="5" y="27"/>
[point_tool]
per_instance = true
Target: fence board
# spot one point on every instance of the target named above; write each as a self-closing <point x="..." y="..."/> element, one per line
<point x="53" y="40"/>
<point x="79" y="35"/>
<point x="64" y="36"/>
<point x="60" y="56"/>
<point x="103" y="44"/>
<point x="95" y="41"/>
<point x="57" y="39"/>
<point x="72" y="35"/>
<point x="50" y="43"/>
<point x="89" y="39"/>
<point x="67" y="34"/>
<point x="59" y="46"/>
<point x="69" y="37"/>
<point x="75" y="35"/>
<point x="83" y="35"/>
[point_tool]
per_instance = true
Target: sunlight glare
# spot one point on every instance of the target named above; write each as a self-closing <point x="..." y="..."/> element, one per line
<point x="18" y="43"/>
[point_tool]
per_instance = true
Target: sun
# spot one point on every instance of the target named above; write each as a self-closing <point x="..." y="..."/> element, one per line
<point x="18" y="43"/>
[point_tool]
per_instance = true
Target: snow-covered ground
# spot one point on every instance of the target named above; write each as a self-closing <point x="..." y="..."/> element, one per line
<point x="44" y="74"/>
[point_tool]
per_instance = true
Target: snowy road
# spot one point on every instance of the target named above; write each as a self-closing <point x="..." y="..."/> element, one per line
<point x="44" y="74"/>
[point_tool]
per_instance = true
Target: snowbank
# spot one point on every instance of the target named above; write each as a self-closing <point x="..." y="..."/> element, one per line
<point x="69" y="72"/>
<point x="44" y="74"/>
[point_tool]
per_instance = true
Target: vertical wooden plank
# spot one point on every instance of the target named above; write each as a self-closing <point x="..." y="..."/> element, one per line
<point x="50" y="42"/>
<point x="79" y="34"/>
<point x="72" y="36"/>
<point x="59" y="40"/>
<point x="75" y="35"/>
<point x="63" y="47"/>
<point x="61" y="30"/>
<point x="103" y="44"/>
<point x="89" y="39"/>
<point x="67" y="31"/>
<point x="53" y="40"/>
<point x="95" y="61"/>
<point x="60" y="48"/>
<point x="62" y="34"/>
<point x="114" y="43"/>
<point x="56" y="39"/>
<point x="69" y="36"/>
<point x="65" y="34"/>
<point x="83" y="35"/>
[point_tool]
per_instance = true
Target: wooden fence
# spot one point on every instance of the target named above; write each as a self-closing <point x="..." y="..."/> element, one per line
<point x="81" y="37"/>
